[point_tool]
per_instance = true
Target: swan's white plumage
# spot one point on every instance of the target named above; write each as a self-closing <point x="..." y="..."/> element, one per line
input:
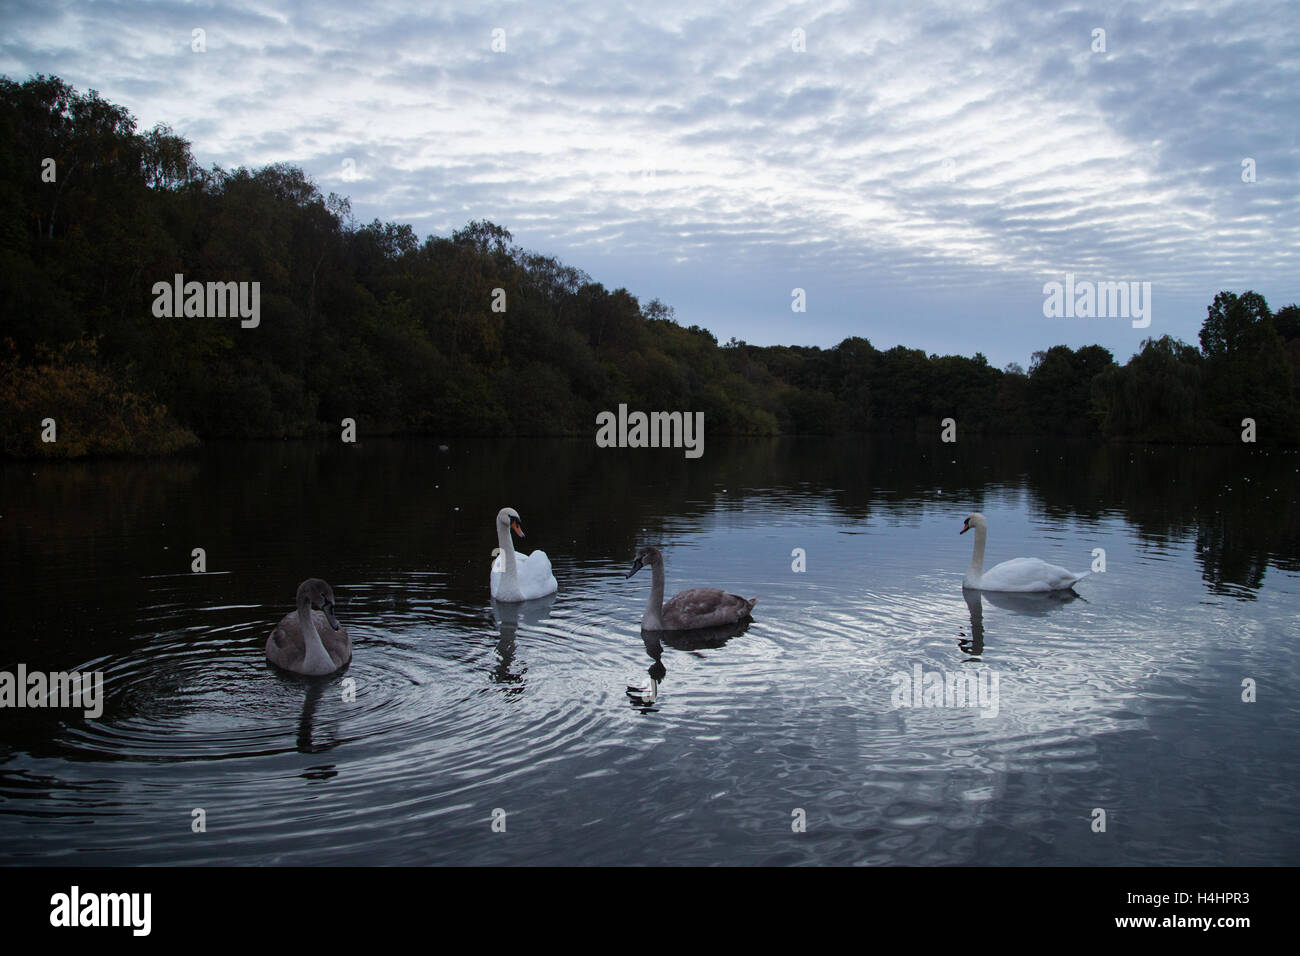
<point x="1018" y="574"/>
<point x="1025" y="574"/>
<point x="534" y="578"/>
<point x="514" y="576"/>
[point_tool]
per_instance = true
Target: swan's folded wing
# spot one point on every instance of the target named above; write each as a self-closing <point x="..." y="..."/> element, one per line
<point x="1027" y="574"/>
<point x="536" y="565"/>
<point x="1059" y="578"/>
<point x="535" y="576"/>
<point x="284" y="646"/>
<point x="704" y="607"/>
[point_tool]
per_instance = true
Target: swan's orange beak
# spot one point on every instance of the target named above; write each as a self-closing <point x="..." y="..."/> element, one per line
<point x="965" y="527"/>
<point x="516" y="527"/>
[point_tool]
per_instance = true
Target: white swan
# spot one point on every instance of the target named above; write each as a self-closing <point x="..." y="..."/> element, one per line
<point x="296" y="643"/>
<point x="689" y="609"/>
<point x="1018" y="574"/>
<point x="518" y="577"/>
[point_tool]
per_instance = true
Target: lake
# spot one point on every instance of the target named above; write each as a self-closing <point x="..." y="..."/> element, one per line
<point x="555" y="733"/>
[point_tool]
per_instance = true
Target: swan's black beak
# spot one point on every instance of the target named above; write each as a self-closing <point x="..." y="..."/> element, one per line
<point x="516" y="527"/>
<point x="637" y="565"/>
<point x="329" y="615"/>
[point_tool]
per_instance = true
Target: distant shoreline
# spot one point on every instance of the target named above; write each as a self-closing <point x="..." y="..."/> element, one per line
<point x="147" y="316"/>
<point x="212" y="444"/>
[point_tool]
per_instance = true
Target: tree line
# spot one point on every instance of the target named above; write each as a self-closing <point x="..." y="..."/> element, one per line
<point x="365" y="321"/>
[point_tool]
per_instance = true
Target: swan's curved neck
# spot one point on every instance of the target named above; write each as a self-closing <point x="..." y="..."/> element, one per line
<point x="507" y="551"/>
<point x="652" y="620"/>
<point x="315" y="659"/>
<point x="976" y="568"/>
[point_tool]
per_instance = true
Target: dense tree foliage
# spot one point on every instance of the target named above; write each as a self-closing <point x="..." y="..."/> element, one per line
<point x="471" y="334"/>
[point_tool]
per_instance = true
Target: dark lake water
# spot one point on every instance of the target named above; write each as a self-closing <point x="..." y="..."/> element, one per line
<point x="1127" y="699"/>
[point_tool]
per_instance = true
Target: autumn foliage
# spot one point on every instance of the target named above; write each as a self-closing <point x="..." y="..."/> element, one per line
<point x="93" y="412"/>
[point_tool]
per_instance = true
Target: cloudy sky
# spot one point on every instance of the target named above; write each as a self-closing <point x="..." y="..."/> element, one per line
<point x="919" y="169"/>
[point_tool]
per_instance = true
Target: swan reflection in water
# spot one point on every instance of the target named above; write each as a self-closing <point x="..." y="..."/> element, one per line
<point x="693" y="641"/>
<point x="309" y="740"/>
<point x="1028" y="603"/>
<point x="508" y="615"/>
